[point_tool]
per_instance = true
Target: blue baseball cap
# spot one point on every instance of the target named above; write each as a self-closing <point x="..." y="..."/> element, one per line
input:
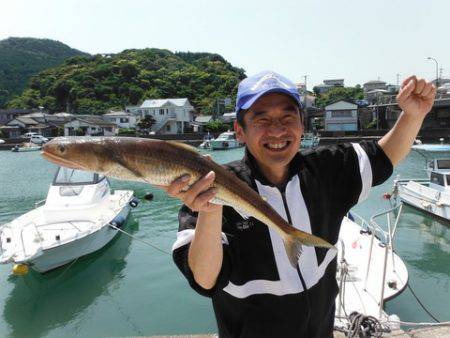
<point x="253" y="87"/>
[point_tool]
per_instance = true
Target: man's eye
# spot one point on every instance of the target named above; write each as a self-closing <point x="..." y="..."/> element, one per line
<point x="262" y="121"/>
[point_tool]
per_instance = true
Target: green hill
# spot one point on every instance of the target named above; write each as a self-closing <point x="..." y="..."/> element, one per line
<point x="93" y="84"/>
<point x="21" y="58"/>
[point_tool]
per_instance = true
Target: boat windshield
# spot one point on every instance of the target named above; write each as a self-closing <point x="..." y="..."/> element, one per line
<point x="227" y="136"/>
<point x="437" y="178"/>
<point x="443" y="164"/>
<point x="67" y="176"/>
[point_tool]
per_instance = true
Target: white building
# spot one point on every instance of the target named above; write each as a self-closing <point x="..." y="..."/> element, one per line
<point x="328" y="84"/>
<point x="341" y="116"/>
<point x="122" y="119"/>
<point x="171" y="115"/>
<point x="90" y="126"/>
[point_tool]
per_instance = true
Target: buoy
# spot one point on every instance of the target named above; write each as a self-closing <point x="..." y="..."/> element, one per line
<point x="387" y="196"/>
<point x="20" y="269"/>
<point x="149" y="196"/>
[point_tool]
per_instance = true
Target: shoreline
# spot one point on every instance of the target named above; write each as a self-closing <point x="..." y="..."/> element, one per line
<point x="197" y="142"/>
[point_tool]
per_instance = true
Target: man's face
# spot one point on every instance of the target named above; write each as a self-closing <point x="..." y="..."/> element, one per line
<point x="273" y="130"/>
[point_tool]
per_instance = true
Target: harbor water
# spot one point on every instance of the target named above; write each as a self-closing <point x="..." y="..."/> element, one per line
<point x="131" y="289"/>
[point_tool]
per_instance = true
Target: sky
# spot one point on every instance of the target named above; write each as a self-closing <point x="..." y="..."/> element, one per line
<point x="356" y="40"/>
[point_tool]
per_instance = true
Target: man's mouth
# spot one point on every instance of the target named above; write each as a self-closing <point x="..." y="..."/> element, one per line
<point x="277" y="146"/>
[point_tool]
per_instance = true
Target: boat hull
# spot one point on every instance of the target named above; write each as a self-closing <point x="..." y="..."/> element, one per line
<point x="55" y="257"/>
<point x="223" y="145"/>
<point x="422" y="199"/>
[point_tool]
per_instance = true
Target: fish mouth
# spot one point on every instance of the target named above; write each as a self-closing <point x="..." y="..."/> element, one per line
<point x="59" y="161"/>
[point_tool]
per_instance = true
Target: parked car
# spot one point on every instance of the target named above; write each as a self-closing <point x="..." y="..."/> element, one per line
<point x="28" y="135"/>
<point x="2" y="141"/>
<point x="38" y="139"/>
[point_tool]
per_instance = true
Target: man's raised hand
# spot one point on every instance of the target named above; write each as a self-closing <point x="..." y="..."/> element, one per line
<point x="416" y="96"/>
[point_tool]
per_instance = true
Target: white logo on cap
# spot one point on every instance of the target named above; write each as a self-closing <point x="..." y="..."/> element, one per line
<point x="269" y="81"/>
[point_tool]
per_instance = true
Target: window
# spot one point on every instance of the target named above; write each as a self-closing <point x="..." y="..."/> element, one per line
<point x="342" y="113"/>
<point x="161" y="112"/>
<point x="124" y="120"/>
<point x="437" y="179"/>
<point x="443" y="164"/>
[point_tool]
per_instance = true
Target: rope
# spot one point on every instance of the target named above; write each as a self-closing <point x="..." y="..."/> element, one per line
<point x="140" y="240"/>
<point x="365" y="326"/>
<point x="422" y="305"/>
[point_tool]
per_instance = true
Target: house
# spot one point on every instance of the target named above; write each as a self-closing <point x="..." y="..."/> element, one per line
<point x="200" y="123"/>
<point x="7" y="115"/>
<point x="171" y="115"/>
<point x="341" y="116"/>
<point x="122" y="119"/>
<point x="28" y="124"/>
<point x="374" y="89"/>
<point x="89" y="125"/>
<point x="328" y="84"/>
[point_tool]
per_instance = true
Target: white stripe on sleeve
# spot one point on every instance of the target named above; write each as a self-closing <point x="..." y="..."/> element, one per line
<point x="365" y="170"/>
<point x="185" y="237"/>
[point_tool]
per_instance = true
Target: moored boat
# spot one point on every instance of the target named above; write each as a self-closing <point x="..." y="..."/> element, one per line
<point x="369" y="271"/>
<point x="78" y="217"/>
<point x="25" y="147"/>
<point x="430" y="195"/>
<point x="226" y="140"/>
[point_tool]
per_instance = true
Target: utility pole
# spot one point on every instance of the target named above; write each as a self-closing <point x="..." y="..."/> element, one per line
<point x="304" y="102"/>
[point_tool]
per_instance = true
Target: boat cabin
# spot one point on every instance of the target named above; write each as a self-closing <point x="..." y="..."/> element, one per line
<point x="76" y="187"/>
<point x="439" y="173"/>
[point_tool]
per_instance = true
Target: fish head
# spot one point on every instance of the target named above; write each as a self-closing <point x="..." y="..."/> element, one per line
<point x="83" y="153"/>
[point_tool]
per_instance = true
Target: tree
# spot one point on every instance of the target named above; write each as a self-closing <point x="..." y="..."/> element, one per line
<point x="335" y="94"/>
<point x="4" y="95"/>
<point x="146" y="123"/>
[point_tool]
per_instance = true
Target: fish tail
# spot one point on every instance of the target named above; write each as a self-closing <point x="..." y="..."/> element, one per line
<point x="294" y="241"/>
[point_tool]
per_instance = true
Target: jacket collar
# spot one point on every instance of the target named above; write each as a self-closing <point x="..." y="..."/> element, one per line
<point x="255" y="172"/>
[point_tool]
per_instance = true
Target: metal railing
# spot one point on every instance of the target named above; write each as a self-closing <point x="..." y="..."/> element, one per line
<point x="387" y="241"/>
<point x="36" y="226"/>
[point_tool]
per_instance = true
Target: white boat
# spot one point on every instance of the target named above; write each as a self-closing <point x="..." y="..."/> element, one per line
<point x="432" y="148"/>
<point x="309" y="140"/>
<point x="206" y="144"/>
<point x="25" y="147"/>
<point x="369" y="271"/>
<point x="74" y="221"/>
<point x="226" y="140"/>
<point x="431" y="195"/>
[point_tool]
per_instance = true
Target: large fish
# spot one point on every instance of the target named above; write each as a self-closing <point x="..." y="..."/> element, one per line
<point x="160" y="163"/>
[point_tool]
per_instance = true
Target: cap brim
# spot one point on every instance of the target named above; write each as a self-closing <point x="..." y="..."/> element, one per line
<point x="250" y="102"/>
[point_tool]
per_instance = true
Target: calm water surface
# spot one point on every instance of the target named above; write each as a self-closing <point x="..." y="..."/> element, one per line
<point x="130" y="289"/>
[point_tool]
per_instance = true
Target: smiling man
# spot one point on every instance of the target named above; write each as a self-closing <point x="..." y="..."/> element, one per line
<point x="241" y="263"/>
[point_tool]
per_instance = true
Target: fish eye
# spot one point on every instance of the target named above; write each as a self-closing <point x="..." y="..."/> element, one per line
<point x="61" y="148"/>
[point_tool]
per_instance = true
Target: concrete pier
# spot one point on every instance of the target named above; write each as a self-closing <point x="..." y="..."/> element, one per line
<point x="425" y="332"/>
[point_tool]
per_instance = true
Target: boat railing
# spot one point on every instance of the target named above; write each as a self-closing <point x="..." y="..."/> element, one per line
<point x="39" y="203"/>
<point x="387" y="240"/>
<point x="38" y="231"/>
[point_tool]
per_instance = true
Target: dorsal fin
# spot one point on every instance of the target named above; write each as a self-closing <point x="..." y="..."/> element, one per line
<point x="184" y="146"/>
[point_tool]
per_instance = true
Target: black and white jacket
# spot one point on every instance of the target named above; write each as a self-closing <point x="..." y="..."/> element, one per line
<point x="258" y="293"/>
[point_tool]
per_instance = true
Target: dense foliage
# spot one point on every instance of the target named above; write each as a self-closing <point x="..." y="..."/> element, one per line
<point x="21" y="58"/>
<point x="94" y="84"/>
<point x="350" y="94"/>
